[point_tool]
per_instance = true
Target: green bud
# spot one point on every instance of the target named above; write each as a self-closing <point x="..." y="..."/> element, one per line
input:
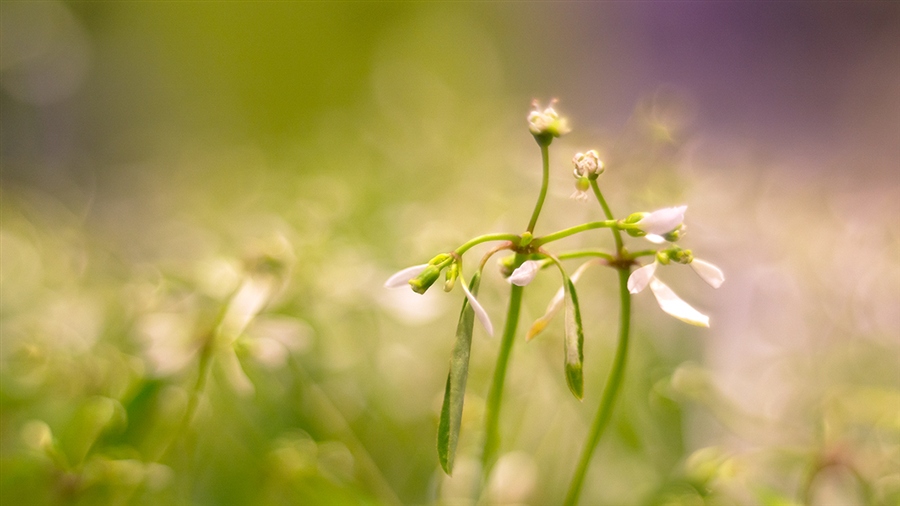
<point x="421" y="283"/>
<point x="663" y="257"/>
<point x="507" y="265"/>
<point x="675" y="234"/>
<point x="682" y="256"/>
<point x="452" y="274"/>
<point x="634" y="218"/>
<point x="582" y="184"/>
<point x="525" y="239"/>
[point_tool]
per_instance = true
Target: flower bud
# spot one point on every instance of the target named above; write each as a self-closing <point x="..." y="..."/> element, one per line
<point x="587" y="164"/>
<point x="452" y="274"/>
<point x="421" y="283"/>
<point x="546" y="124"/>
<point x="634" y="218"/>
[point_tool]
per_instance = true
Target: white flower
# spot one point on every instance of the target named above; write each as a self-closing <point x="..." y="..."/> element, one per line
<point x="641" y="277"/>
<point x="672" y="304"/>
<point x="525" y="273"/>
<point x="546" y="122"/>
<point x="401" y="278"/>
<point x="662" y="221"/>
<point x="479" y="311"/>
<point x="665" y="297"/>
<point x="708" y="272"/>
<point x="556" y="303"/>
<point x="587" y="164"/>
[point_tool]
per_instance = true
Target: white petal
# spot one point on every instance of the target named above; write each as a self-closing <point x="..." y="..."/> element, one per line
<point x="708" y="272"/>
<point x="655" y="239"/>
<point x="479" y="311"/>
<point x="662" y="221"/>
<point x="641" y="277"/>
<point x="672" y="304"/>
<point x="402" y="278"/>
<point x="525" y="273"/>
<point x="555" y="304"/>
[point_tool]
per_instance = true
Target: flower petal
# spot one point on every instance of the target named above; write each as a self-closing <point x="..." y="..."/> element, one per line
<point x="672" y="304"/>
<point x="708" y="272"/>
<point x="641" y="277"/>
<point x="479" y="311"/>
<point x="662" y="221"/>
<point x="556" y="303"/>
<point x="401" y="278"/>
<point x="655" y="239"/>
<point x="525" y="273"/>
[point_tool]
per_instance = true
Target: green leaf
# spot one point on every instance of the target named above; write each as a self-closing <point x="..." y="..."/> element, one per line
<point x="455" y="390"/>
<point x="574" y="343"/>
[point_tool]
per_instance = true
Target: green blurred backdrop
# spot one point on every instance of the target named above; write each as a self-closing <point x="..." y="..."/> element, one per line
<point x="174" y="168"/>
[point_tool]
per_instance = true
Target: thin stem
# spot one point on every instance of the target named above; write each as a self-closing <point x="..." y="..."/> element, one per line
<point x="485" y="238"/>
<point x="492" y="408"/>
<point x="586" y="253"/>
<point x="545" y="159"/>
<point x="555" y="236"/>
<point x="610" y="392"/>
<point x="609" y="215"/>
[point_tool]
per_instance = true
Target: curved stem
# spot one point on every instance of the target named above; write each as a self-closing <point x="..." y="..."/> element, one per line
<point x="555" y="236"/>
<point x="545" y="159"/>
<point x="492" y="408"/>
<point x="610" y="392"/>
<point x="485" y="238"/>
<point x="609" y="215"/>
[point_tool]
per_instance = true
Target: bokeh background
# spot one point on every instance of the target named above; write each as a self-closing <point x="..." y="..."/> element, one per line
<point x="253" y="171"/>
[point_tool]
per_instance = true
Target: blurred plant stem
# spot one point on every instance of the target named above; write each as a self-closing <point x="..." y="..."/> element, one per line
<point x="495" y="395"/>
<point x="335" y="422"/>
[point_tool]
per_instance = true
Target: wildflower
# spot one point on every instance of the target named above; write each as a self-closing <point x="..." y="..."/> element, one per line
<point x="479" y="311"/>
<point x="663" y="221"/>
<point x="708" y="272"/>
<point x="546" y="124"/>
<point x="412" y="274"/>
<point x="581" y="187"/>
<point x="555" y="304"/>
<point x="666" y="298"/>
<point x="587" y="164"/>
<point x="525" y="273"/>
<point x="403" y="277"/>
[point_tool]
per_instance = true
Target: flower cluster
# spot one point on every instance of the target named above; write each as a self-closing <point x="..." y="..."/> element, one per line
<point x="529" y="256"/>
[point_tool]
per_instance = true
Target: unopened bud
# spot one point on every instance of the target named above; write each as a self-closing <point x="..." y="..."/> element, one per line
<point x="421" y="283"/>
<point x="452" y="274"/>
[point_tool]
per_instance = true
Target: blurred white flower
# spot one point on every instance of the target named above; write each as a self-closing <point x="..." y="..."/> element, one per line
<point x="546" y="122"/>
<point x="662" y="221"/>
<point x="479" y="311"/>
<point x="587" y="164"/>
<point x="525" y="273"/>
<point x="708" y="272"/>
<point x="402" y="277"/>
<point x="665" y="297"/>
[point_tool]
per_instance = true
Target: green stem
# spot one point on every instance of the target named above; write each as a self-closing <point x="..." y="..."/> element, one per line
<point x="545" y="159"/>
<point x="555" y="236"/>
<point x="485" y="238"/>
<point x="610" y="392"/>
<point x="492" y="408"/>
<point x="608" y="213"/>
<point x="586" y="253"/>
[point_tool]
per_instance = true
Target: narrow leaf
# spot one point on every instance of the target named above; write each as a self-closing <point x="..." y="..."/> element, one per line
<point x="574" y="343"/>
<point x="455" y="389"/>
